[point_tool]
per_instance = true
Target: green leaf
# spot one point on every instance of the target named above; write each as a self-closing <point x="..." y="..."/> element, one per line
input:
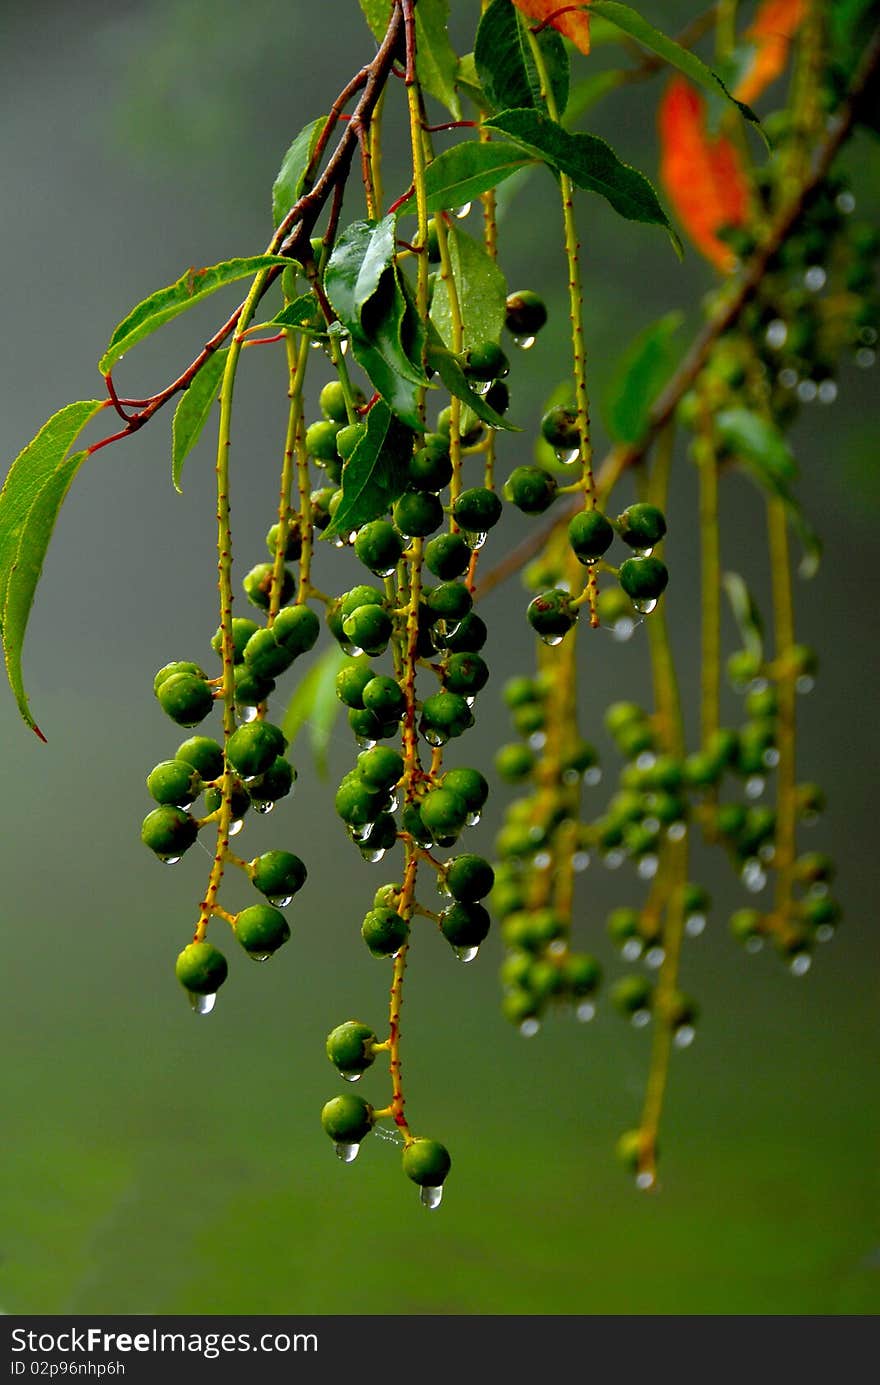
<point x="362" y="256"/>
<point x="167" y="303"/>
<point x="377" y="13"/>
<point x="442" y="360"/>
<point x="467" y="81"/>
<point x="589" y="162"/>
<point x="671" y="52"/>
<point x="460" y="174"/>
<point x="505" y="64"/>
<point x="192" y="412"/>
<point x="291" y="181"/>
<point x="315" y="704"/>
<point x="481" y="291"/>
<point x="401" y="396"/>
<point x="758" y="441"/>
<point x="375" y="473"/>
<point x="295" y="314"/>
<point x="639" y="377"/>
<point x="745" y="613"/>
<point x="436" y="59"/>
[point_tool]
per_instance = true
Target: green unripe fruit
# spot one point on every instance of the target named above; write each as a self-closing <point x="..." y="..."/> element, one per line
<point x="185" y="698"/>
<point x="809" y="800"/>
<point x="469" y="878"/>
<point x="417" y="513"/>
<point x="204" y="754"/>
<point x="701" y="770"/>
<point x="296" y="628"/>
<point x="361" y="595"/>
<point x="349" y="1047"/>
<point x="379" y="547"/>
<point x="525" y="313"/>
<point x="745" y="924"/>
<point x="293" y="543"/>
<point x="623" y="924"/>
<point x="258" y="585"/>
<point x="380" y="768"/>
<point x="559" y="427"/>
<point x="581" y="973"/>
<point x="485" y="361"/>
<point x="468" y="438"/>
<point x="665" y="774"/>
<point x="497" y="396"/>
<point x="641" y="525"/>
<point x="723" y="745"/>
<point x="239" y="800"/>
<point x="169" y="832"/>
<point x="634" y="740"/>
<point x="550" y="614"/>
<point x="320" y="504"/>
<point x="331" y="401"/>
<point x="368" y="727"/>
<point x="175" y="782"/>
<point x="814" y="868"/>
<point x="388" y="896"/>
<point x="426" y="1162"/>
<point x="278" y="875"/>
<point x="369" y="628"/>
<point x="356" y="803"/>
<point x="643" y="579"/>
<point x="469" y="785"/>
<point x="348" y="438"/>
<point x="274" y="783"/>
<point x="384" y="931"/>
<point x="477" y="510"/>
<point x="251" y="687"/>
<point x="514" y="970"/>
<point x="429" y="470"/>
<point x="514" y="762"/>
<point x="321" y="440"/>
<point x="445" y="716"/>
<point x="261" y="930"/>
<point x="623" y="714"/>
<point x="201" y="968"/>
<point x="743" y="666"/>
<point x="252" y="748"/>
<point x="761" y="704"/>
<point x="519" y="691"/>
<point x="443" y="812"/>
<point x="465" y="673"/>
<point x="820" y="911"/>
<point x="242" y="630"/>
<point x="385" y="697"/>
<point x="450" y="601"/>
<point x="531" y="489"/>
<point x="695" y="900"/>
<point x="629" y="1149"/>
<point x="544" y="979"/>
<point x="577" y="761"/>
<point x="173" y="669"/>
<point x="464" y="924"/>
<point x="631" y="994"/>
<point x="590" y="535"/>
<point x="468" y="636"/>
<point x="447" y="556"/>
<point x="351" y="681"/>
<point x="518" y="1006"/>
<point x="264" y="655"/>
<point x="347" y="1119"/>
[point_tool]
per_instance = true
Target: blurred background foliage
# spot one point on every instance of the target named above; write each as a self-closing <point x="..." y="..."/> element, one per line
<point x="154" y="1163"/>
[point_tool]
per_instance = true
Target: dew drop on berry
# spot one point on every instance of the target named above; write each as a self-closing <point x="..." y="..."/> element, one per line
<point x="264" y="808"/>
<point x="647" y="868"/>
<point x="622" y="630"/>
<point x="815" y="278"/>
<point x="677" y="831"/>
<point x="827" y="391"/>
<point x="567" y="455"/>
<point x="807" y="391"/>
<point x="373" y="855"/>
<point x="465" y="954"/>
<point x="580" y="861"/>
<point x="640" y="1019"/>
<point x="280" y="901"/>
<point x="645" y="1181"/>
<point x="351" y="1077"/>
<point x="755" y="786"/>
<point x="800" y="964"/>
<point x="771" y="757"/>
<point x="202" y="1004"/>
<point x="235" y="827"/>
<point x="585" y="1012"/>
<point x="614" y="859"/>
<point x="754" y="945"/>
<point x="259" y="956"/>
<point x="645" y="552"/>
<point x="474" y="539"/>
<point x="530" y="1027"/>
<point x="481" y="387"/>
<point x="824" y="933"/>
<point x="542" y="860"/>
<point x="646" y="606"/>
<point x="805" y="684"/>
<point x="631" y="950"/>
<point x="473" y="819"/>
<point x="169" y="860"/>
<point x="654" y="958"/>
<point x="247" y="715"/>
<point x="695" y="924"/>
<point x="347" y="1153"/>
<point x="684" y="1036"/>
<point x="754" y="877"/>
<point x="434" y="737"/>
<point x="865" y="357"/>
<point x="524" y="343"/>
<point x="431" y="1198"/>
<point x="537" y="740"/>
<point x="552" y="640"/>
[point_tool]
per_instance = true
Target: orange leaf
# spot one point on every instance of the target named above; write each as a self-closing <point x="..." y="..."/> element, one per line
<point x="571" y="20"/>
<point x="702" y="173"/>
<point x="771" y="32"/>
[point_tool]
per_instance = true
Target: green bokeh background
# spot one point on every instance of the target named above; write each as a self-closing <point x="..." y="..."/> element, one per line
<point x="153" y="1163"/>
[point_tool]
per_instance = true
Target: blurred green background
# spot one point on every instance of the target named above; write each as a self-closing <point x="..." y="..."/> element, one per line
<point x="155" y="1163"/>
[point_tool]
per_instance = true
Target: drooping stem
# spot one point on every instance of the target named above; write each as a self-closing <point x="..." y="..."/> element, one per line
<point x="296" y="361"/>
<point x="710" y="582"/>
<point x="783" y="626"/>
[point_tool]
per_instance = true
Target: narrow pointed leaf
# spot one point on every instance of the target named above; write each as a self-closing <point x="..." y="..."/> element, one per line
<point x="441" y="359"/>
<point x="375" y="473"/>
<point x="314" y="704"/>
<point x="167" y="303"/>
<point x="589" y="162"/>
<point x="505" y="63"/>
<point x="481" y="291"/>
<point x="701" y="172"/>
<point x="436" y="59"/>
<point x="296" y="314"/>
<point x="640" y="376"/>
<point x="745" y="613"/>
<point x="465" y="171"/>
<point x="377" y="14"/>
<point x="362" y="256"/>
<point x="192" y="412"/>
<point x="290" y="183"/>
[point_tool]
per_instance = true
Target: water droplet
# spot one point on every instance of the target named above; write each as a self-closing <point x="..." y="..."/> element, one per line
<point x="580" y="861"/>
<point x="351" y="1076"/>
<point x="767" y="851"/>
<point x="365" y="742"/>
<point x="259" y="956"/>
<point x="651" y="824"/>
<point x="530" y="1027"/>
<point x="247" y="715"/>
<point x="845" y="202"/>
<point x="754" y="877"/>
<point x="807" y="391"/>
<point x="805" y="684"/>
<point x="868" y="335"/>
<point x="788" y="378"/>
<point x="474" y="539"/>
<point x="524" y="343"/>
<point x="646" y="760"/>
<point x="645" y="552"/>
<point x="431" y="1198"/>
<point x="800" y="964"/>
<point x="824" y="933"/>
<point x="646" y="606"/>
<point x="434" y="737"/>
<point x="470" y="700"/>
<point x="647" y="868"/>
<point x="353" y="651"/>
<point x="865" y="357"/>
<point x="631" y="950"/>
<point x="677" y="831"/>
<point x="567" y="455"/>
<point x="818" y="890"/>
<point x="695" y="924"/>
<point x="465" y="954"/>
<point x="684" y="1036"/>
<point x="542" y="860"/>
<point x="640" y="1019"/>
<point x="338" y="541"/>
<point x="776" y="333"/>
<point x="614" y="858"/>
<point x="771" y="757"/>
<point x="645" y="1181"/>
<point x="552" y="640"/>
<point x="558" y="947"/>
<point x="360" y="834"/>
<point x="481" y="387"/>
<point x="585" y="1011"/>
<point x="593" y="776"/>
<point x="815" y="278"/>
<point x="264" y="806"/>
<point x="169" y="860"/>
<point x="473" y="819"/>
<point x="755" y="786"/>
<point x="280" y="901"/>
<point x="537" y="740"/>
<point x="827" y="391"/>
<point x="754" y="945"/>
<point x="654" y="958"/>
<point x="373" y="855"/>
<point x="202" y="1004"/>
<point x="461" y="212"/>
<point x="235" y="827"/>
<point x="622" y="630"/>
<point x="347" y="1153"/>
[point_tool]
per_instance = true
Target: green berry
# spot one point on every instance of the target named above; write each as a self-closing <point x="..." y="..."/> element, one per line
<point x="465" y="673"/>
<point x="743" y="666"/>
<point x="367" y="726"/>
<point x="469" y="785"/>
<point x="296" y="628"/>
<point x="384" y="931"/>
<point x="169" y="832"/>
<point x="361" y="595"/>
<point x="369" y="628"/>
<point x="464" y="924"/>
<point x="429" y="469"/>
<point x="175" y="782"/>
<point x="252" y="748"/>
<point x="321" y="440"/>
<point x="239" y="801"/>
<point x="186" y="698"/>
<point x="550" y="614"/>
<point x="319" y="501"/>
<point x="261" y="930"/>
<point x="274" y="783"/>
<point x="347" y="1119"/>
<point x="172" y="670"/>
<point x="349" y="1047"/>
<point x="201" y="968"/>
<point x="641" y="525"/>
<point x="581" y="973"/>
<point x="443" y="812"/>
<point x="643" y="579"/>
<point x="814" y="868"/>
<point x="293" y="543"/>
<point x="385" y="697"/>
<point x="242" y="629"/>
<point x="623" y="924"/>
<point x="519" y="691"/>
<point x="469" y="878"/>
<point x="278" y="875"/>
<point x="251" y="687"/>
<point x="445" y="716"/>
<point x="745" y="924"/>
<point x="351" y="681"/>
<point x="331" y="401"/>
<point x="559" y="427"/>
<point x="417" y="513"/>
<point x="204" y="754"/>
<point x="477" y="510"/>
<point x="265" y="656"/>
<point x="348" y="438"/>
<point x="258" y="585"/>
<point x="356" y="803"/>
<point x="426" y="1162"/>
<point x="485" y="361"/>
<point x="589" y="535"/>
<point x="379" y="547"/>
<point x="514" y="762"/>
<point x="450" y="601"/>
<point x="631" y="994"/>
<point x="525" y="313"/>
<point x="531" y="489"/>
<point x="447" y="556"/>
<point x="468" y="636"/>
<point x="380" y="768"/>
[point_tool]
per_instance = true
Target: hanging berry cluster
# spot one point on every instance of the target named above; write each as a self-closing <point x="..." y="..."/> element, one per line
<point x="412" y="317"/>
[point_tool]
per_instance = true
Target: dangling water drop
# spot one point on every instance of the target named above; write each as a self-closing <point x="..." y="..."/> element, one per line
<point x="807" y="391"/>
<point x="694" y="925"/>
<point x="614" y="858"/>
<point x="537" y="740"/>
<point x="815" y="278"/>
<point x="754" y="876"/>
<point x="646" y="760"/>
<point x="646" y="606"/>
<point x="558" y="947"/>
<point x="845" y="202"/>
<point x="465" y="954"/>
<point x="827" y="391"/>
<point x="585" y="1011"/>
<point x="347" y="1153"/>
<point x="264" y="807"/>
<point x="645" y="552"/>
<point x="800" y="964"/>
<point x="365" y="742"/>
<point x="552" y="640"/>
<point x="788" y="377"/>
<point x="647" y="867"/>
<point x="805" y="684"/>
<point x="865" y="357"/>
<point x="640" y="1019"/>
<point x="246" y="715"/>
<point x="431" y="1198"/>
<point x="373" y="855"/>
<point x="235" y="827"/>
<point x="542" y="860"/>
<point x="654" y="958"/>
<point x="202" y="1004"/>
<point x="622" y="630"/>
<point x="684" y="1036"/>
<point x="473" y="819"/>
<point x="434" y="736"/>
<point x="580" y="861"/>
<point x="824" y="933"/>
<point x="474" y="539"/>
<point x="169" y="860"/>
<point x="631" y="950"/>
<point x="776" y="333"/>
<point x="280" y="901"/>
<point x="353" y="651"/>
<point x="567" y="455"/>
<point x="530" y="1027"/>
<point x="351" y="1076"/>
<point x="461" y="212"/>
<point x="592" y="776"/>
<point x="259" y="956"/>
<point x="360" y="834"/>
<point x="677" y="831"/>
<point x="755" y="786"/>
<point x="771" y="757"/>
<point x="754" y="945"/>
<point x="524" y="343"/>
<point x="645" y="1181"/>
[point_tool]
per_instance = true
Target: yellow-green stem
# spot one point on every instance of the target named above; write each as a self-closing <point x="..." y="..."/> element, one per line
<point x="710" y="589"/>
<point x="783" y="625"/>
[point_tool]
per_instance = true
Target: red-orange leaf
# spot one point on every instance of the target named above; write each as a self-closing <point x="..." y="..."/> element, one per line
<point x="701" y="172"/>
<point x="771" y="32"/>
<point x="570" y="20"/>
